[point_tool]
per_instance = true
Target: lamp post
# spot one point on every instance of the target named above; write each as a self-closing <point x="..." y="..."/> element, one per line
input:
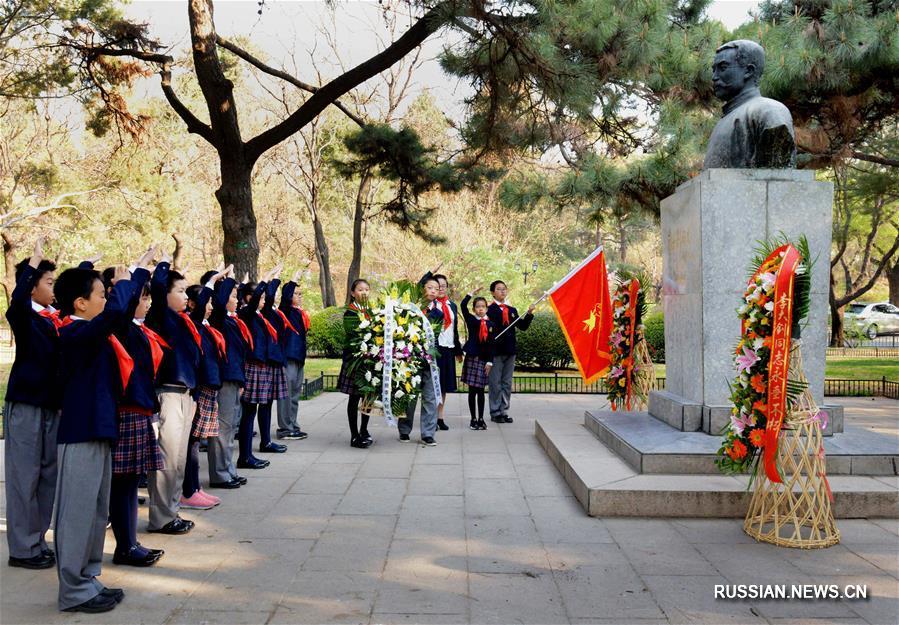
<point x="526" y="273"/>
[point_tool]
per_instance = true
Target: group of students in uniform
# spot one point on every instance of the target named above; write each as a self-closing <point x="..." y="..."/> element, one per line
<point x="487" y="357"/>
<point x="119" y="377"/>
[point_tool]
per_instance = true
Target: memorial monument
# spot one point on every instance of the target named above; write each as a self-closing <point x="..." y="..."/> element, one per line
<point x="747" y="191"/>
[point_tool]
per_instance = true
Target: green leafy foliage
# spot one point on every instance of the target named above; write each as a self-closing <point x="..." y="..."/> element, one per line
<point x="326" y="334"/>
<point x="655" y="335"/>
<point x="543" y="344"/>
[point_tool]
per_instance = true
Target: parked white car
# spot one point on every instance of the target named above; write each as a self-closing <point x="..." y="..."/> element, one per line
<point x="874" y="319"/>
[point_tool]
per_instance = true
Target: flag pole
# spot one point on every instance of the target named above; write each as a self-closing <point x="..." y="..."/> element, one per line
<point x="542" y="297"/>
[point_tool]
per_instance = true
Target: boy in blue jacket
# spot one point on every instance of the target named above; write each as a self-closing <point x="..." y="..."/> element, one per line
<point x="31" y="415"/>
<point x="94" y="370"/>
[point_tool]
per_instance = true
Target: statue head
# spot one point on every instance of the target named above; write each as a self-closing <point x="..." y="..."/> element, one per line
<point x="738" y="65"/>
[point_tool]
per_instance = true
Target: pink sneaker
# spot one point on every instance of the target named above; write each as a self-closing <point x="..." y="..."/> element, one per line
<point x="196" y="502"/>
<point x="210" y="498"/>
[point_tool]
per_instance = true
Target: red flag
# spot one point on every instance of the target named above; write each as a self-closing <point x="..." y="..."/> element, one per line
<point x="584" y="308"/>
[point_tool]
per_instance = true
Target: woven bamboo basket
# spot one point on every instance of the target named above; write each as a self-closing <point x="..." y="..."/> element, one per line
<point x="645" y="375"/>
<point x="797" y="512"/>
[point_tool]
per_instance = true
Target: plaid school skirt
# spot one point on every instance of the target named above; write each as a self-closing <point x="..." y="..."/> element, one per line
<point x="265" y="383"/>
<point x="473" y="372"/>
<point x="136" y="451"/>
<point x="345" y="382"/>
<point x="206" y="419"/>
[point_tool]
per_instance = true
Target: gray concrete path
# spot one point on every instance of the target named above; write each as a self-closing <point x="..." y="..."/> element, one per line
<point x="480" y="529"/>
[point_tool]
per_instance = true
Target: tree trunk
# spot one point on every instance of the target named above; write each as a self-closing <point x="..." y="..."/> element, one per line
<point x="235" y="196"/>
<point x="323" y="257"/>
<point x="358" y="219"/>
<point x="893" y="281"/>
<point x="622" y="240"/>
<point x="836" y="318"/>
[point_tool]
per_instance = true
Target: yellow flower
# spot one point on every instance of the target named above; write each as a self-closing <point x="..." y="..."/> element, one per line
<point x="621" y="382"/>
<point x="408" y="387"/>
<point x="379" y="340"/>
<point x="414" y="338"/>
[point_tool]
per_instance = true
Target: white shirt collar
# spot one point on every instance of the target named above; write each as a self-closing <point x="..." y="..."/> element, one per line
<point x="138" y="322"/>
<point x="77" y="318"/>
<point x="38" y="308"/>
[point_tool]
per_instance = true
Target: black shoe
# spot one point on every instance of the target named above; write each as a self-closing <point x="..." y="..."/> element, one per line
<point x="156" y="551"/>
<point x="300" y="434"/>
<point x="204" y="447"/>
<point x="252" y="463"/>
<point x="360" y="443"/>
<point x="40" y="561"/>
<point x="228" y="485"/>
<point x="481" y="424"/>
<point x="498" y="419"/>
<point x="137" y="557"/>
<point x="473" y="425"/>
<point x="508" y="419"/>
<point x="428" y="441"/>
<point x="49" y="552"/>
<point x="441" y="425"/>
<point x="366" y="437"/>
<point x="178" y="526"/>
<point x="100" y="603"/>
<point x="240" y="479"/>
<point x="272" y="448"/>
<point x="116" y="594"/>
<point x="141" y="501"/>
<point x="404" y="438"/>
<point x="287" y="435"/>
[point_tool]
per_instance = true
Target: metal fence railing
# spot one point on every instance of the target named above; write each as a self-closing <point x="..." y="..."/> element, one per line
<point x="566" y="384"/>
<point x="862" y="352"/>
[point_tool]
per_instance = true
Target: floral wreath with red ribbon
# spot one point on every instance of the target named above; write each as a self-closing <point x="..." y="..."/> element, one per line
<point x="775" y="302"/>
<point x="628" y="310"/>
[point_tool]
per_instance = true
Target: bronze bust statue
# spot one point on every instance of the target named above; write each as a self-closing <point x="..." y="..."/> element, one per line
<point x="754" y="132"/>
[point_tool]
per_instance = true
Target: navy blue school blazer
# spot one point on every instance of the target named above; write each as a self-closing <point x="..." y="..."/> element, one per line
<point x="261" y="338"/>
<point x="506" y="345"/>
<point x="232" y="367"/>
<point x="181" y="364"/>
<point x="141" y="391"/>
<point x="209" y="373"/>
<point x="32" y="379"/>
<point x="473" y="346"/>
<point x="275" y="353"/>
<point x="89" y="372"/>
<point x="293" y="344"/>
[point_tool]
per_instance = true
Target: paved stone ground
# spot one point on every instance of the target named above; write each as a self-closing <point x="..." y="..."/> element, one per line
<point x="480" y="529"/>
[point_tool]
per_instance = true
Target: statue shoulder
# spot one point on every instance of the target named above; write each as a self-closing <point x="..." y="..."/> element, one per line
<point x="772" y="112"/>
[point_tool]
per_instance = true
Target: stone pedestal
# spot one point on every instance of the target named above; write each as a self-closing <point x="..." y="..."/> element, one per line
<point x="710" y="228"/>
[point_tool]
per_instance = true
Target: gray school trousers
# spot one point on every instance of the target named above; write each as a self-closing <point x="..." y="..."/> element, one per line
<point x="289" y="407"/>
<point x="176" y="415"/>
<point x="30" y="464"/>
<point x="500" y="380"/>
<point x="428" y="409"/>
<point x="82" y="508"/>
<point x="220" y="450"/>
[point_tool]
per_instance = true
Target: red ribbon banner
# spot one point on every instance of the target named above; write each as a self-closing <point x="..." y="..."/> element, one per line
<point x="633" y="291"/>
<point x="779" y="363"/>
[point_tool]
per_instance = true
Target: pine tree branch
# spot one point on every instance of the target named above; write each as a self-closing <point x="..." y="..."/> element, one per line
<point x="194" y="125"/>
<point x="427" y="25"/>
<point x="874" y="158"/>
<point x="848" y="297"/>
<point x="271" y="71"/>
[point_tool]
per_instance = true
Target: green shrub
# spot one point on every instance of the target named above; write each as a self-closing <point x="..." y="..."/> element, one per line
<point x="326" y="334"/>
<point x="543" y="344"/>
<point x="655" y="336"/>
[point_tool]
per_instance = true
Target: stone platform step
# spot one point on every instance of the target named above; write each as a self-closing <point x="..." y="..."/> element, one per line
<point x="607" y="486"/>
<point x="651" y="446"/>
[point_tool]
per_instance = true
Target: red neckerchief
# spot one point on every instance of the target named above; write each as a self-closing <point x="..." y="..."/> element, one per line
<point x="483" y="332"/>
<point x="123" y="358"/>
<point x="286" y="321"/>
<point x="268" y="326"/>
<point x="244" y="330"/>
<point x="505" y="309"/>
<point x="447" y="319"/>
<point x="53" y="317"/>
<point x="192" y="328"/>
<point x="156" y="344"/>
<point x="218" y="339"/>
<point x="354" y="306"/>
<point x="305" y="316"/>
